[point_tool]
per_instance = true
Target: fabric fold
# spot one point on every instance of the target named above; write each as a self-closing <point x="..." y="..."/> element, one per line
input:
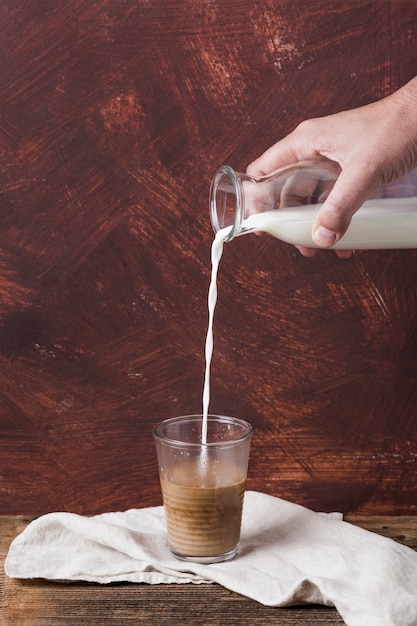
<point x="288" y="555"/>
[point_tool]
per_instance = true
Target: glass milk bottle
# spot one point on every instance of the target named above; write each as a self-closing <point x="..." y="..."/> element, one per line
<point x="285" y="203"/>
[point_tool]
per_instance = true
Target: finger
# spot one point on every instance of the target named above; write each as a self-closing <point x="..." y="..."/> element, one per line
<point x="282" y="153"/>
<point x="299" y="189"/>
<point x="350" y="191"/>
<point x="308" y="252"/>
<point x="344" y="254"/>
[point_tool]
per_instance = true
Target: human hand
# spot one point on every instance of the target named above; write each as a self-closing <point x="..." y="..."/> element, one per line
<point x="373" y="145"/>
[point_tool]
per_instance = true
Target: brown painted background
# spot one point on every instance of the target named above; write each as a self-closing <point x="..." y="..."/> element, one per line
<point x="114" y="115"/>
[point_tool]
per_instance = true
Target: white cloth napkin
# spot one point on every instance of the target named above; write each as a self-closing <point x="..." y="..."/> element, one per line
<point x="288" y="555"/>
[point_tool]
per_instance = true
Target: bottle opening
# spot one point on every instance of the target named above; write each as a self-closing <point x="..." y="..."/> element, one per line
<point x="226" y="201"/>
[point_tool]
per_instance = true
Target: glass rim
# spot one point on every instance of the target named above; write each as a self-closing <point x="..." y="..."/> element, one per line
<point x="212" y="417"/>
<point x="229" y="172"/>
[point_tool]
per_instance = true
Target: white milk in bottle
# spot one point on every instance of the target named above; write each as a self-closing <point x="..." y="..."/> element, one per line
<point x="379" y="224"/>
<point x="285" y="204"/>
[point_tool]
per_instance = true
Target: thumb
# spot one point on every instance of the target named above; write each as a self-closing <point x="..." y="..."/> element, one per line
<point x="348" y="194"/>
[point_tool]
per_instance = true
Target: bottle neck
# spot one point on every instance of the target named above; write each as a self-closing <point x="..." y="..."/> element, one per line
<point x="227" y="201"/>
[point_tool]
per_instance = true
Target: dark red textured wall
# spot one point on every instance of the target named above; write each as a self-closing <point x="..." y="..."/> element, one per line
<point x="114" y="115"/>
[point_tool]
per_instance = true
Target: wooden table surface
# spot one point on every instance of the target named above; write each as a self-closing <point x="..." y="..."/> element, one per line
<point x="43" y="603"/>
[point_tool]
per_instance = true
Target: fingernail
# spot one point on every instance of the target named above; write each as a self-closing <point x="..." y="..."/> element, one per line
<point x="324" y="237"/>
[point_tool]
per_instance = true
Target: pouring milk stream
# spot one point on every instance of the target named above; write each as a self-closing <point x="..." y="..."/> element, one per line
<point x="216" y="254"/>
<point x="284" y="204"/>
